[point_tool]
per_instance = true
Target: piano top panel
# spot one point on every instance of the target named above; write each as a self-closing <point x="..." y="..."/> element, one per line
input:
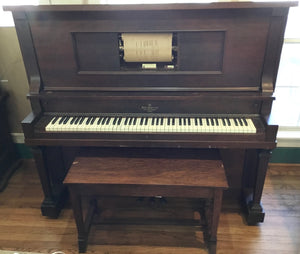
<point x="67" y="48"/>
<point x="230" y="45"/>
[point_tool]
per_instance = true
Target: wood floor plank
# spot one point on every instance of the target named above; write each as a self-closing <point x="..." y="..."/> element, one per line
<point x="22" y="228"/>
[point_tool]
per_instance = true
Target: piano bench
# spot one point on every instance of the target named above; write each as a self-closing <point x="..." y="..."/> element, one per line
<point x="93" y="177"/>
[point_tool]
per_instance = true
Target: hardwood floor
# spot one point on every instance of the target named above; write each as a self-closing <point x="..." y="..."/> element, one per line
<point x="22" y="228"/>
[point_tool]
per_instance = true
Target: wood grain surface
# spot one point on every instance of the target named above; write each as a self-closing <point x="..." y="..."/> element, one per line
<point x="149" y="171"/>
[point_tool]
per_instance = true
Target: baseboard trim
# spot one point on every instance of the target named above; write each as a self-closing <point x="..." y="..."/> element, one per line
<point x="286" y="155"/>
<point x="288" y="137"/>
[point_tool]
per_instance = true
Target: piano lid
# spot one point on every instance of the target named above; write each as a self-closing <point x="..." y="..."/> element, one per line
<point x="92" y="5"/>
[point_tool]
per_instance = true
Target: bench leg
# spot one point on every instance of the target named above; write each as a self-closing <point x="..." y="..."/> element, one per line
<point x="78" y="215"/>
<point x="216" y="211"/>
<point x="213" y="220"/>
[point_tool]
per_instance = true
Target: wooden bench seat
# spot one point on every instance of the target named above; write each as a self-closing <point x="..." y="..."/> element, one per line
<point x="199" y="176"/>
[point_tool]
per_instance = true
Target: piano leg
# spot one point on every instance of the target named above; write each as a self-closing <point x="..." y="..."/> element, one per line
<point x="51" y="169"/>
<point x="255" y="211"/>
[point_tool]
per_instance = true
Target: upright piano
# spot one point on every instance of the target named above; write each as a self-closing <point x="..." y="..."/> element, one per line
<point x="152" y="76"/>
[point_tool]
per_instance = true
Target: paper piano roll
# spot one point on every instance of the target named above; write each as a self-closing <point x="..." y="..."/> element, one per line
<point x="147" y="47"/>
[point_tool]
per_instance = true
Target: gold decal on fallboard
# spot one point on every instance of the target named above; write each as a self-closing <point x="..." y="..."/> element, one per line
<point x="149" y="108"/>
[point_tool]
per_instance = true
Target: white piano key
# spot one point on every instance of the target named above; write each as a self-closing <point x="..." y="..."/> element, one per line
<point x="252" y="128"/>
<point x="221" y="127"/>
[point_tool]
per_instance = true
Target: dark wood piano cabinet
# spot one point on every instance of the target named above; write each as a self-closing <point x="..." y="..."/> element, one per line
<point x="224" y="63"/>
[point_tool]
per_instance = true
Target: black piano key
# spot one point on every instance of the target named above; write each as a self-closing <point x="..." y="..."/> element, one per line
<point x="196" y="121"/>
<point x="88" y="121"/>
<point x="61" y="120"/>
<point x="54" y="120"/>
<point x="212" y="122"/>
<point x="217" y="121"/>
<point x="207" y="122"/>
<point x="66" y="119"/>
<point x="103" y="120"/>
<point x="235" y="122"/>
<point x="73" y="120"/>
<point x="228" y="122"/>
<point x="223" y="121"/>
<point x="115" y="120"/>
<point x="93" y="120"/>
<point x="245" y="122"/>
<point x="241" y="122"/>
<point x="108" y="120"/>
<point x="161" y="121"/>
<point x="200" y="121"/>
<point x="156" y="121"/>
<point x="99" y="120"/>
<point x="168" y="121"/>
<point x="173" y="121"/>
<point x="142" y="121"/>
<point x="146" y="120"/>
<point x="77" y="120"/>
<point x="153" y="121"/>
<point x="180" y="121"/>
<point x="119" y="121"/>
<point x="81" y="120"/>
<point x="126" y="120"/>
<point x="130" y="121"/>
<point x="134" y="121"/>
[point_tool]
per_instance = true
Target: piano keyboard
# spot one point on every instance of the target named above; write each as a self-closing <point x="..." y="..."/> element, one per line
<point x="151" y="124"/>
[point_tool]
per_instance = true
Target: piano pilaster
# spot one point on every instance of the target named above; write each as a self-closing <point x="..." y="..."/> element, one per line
<point x="52" y="167"/>
<point x="29" y="57"/>
<point x="256" y="165"/>
<point x="273" y="49"/>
